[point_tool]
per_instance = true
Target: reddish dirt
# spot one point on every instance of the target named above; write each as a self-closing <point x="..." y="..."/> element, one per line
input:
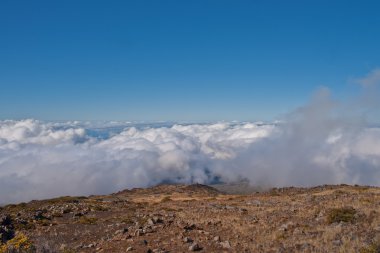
<point x="173" y="218"/>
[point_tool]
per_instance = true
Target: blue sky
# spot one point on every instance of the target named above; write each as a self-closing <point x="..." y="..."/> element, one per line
<point x="179" y="60"/>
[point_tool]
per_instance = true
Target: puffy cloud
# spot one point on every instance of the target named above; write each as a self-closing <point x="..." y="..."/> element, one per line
<point x="320" y="143"/>
<point x="39" y="160"/>
<point x="32" y="132"/>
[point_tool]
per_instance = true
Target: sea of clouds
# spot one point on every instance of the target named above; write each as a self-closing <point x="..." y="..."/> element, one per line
<point x="323" y="142"/>
<point x="40" y="159"/>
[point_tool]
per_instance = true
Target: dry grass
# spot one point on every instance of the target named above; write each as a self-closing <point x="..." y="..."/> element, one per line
<point x="372" y="248"/>
<point x="66" y="199"/>
<point x="87" y="220"/>
<point x="165" y="199"/>
<point x="344" y="214"/>
<point x="320" y="219"/>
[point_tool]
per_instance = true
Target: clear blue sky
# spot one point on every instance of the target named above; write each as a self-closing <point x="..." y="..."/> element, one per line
<point x="179" y="60"/>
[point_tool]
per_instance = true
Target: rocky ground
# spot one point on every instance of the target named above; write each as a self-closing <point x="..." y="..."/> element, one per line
<point x="180" y="218"/>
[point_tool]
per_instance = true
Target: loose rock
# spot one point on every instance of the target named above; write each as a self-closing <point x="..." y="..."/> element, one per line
<point x="226" y="244"/>
<point x="195" y="247"/>
<point x="187" y="239"/>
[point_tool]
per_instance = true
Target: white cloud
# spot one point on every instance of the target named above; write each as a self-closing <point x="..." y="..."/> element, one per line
<point x="33" y="132"/>
<point x="38" y="160"/>
<point x="320" y="143"/>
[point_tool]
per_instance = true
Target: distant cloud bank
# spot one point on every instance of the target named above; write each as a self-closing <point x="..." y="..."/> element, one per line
<point x="41" y="160"/>
<point x="323" y="142"/>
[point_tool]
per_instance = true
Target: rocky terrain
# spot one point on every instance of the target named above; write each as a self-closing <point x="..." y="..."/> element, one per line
<point x="185" y="218"/>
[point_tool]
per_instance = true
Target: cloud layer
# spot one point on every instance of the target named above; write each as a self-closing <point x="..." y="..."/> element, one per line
<point x="324" y="142"/>
<point x="40" y="160"/>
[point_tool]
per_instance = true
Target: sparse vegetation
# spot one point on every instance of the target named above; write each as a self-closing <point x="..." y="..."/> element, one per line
<point x="14" y="208"/>
<point x="189" y="200"/>
<point x="57" y="214"/>
<point x="67" y="210"/>
<point x="127" y="220"/>
<point x="169" y="209"/>
<point x="373" y="248"/>
<point x="166" y="199"/>
<point x="100" y="208"/>
<point x="68" y="251"/>
<point x="141" y="220"/>
<point x="87" y="220"/>
<point x="44" y="222"/>
<point x="24" y="226"/>
<point x="66" y="199"/>
<point x="296" y="219"/>
<point x="344" y="214"/>
<point x="19" y="244"/>
<point x="274" y="193"/>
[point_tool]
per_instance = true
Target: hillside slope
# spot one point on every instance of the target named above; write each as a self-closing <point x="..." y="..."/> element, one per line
<point x="181" y="218"/>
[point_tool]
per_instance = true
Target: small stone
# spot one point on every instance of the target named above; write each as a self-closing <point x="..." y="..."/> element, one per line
<point x="305" y="246"/>
<point x="195" y="247"/>
<point x="79" y="246"/>
<point x="157" y="220"/>
<point x="118" y="232"/>
<point x="5" y="220"/>
<point x="226" y="244"/>
<point x="189" y="227"/>
<point x="217" y="238"/>
<point x="286" y="227"/>
<point x="255" y="203"/>
<point x="187" y="239"/>
<point x="151" y="222"/>
<point x="139" y="232"/>
<point x="337" y="242"/>
<point x="39" y="215"/>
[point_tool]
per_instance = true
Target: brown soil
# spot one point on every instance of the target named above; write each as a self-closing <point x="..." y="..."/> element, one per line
<point x="173" y="218"/>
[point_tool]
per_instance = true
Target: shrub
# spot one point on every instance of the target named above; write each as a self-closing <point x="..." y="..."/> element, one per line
<point x="20" y="243"/>
<point x="169" y="209"/>
<point x="373" y="248"/>
<point x="87" y="220"/>
<point x="56" y="214"/>
<point x="15" y="208"/>
<point x="68" y="251"/>
<point x="24" y="226"/>
<point x="344" y="214"/>
<point x="100" y="208"/>
<point x="165" y="199"/>
<point x="127" y="220"/>
<point x="66" y="199"/>
<point x="44" y="223"/>
<point x="67" y="210"/>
